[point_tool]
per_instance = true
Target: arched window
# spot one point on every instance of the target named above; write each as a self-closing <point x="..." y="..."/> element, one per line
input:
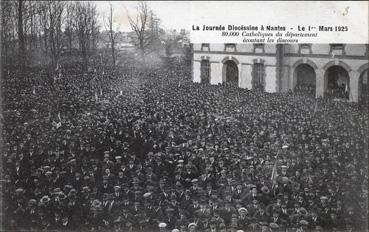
<point x="205" y="47"/>
<point x="337" y="82"/>
<point x="305" y="79"/>
<point x="259" y="48"/>
<point x="337" y="49"/>
<point x="337" y="46"/>
<point x="230" y="47"/>
<point x="305" y="48"/>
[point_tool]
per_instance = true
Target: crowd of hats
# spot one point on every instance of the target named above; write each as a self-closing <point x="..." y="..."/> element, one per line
<point x="148" y="150"/>
<point x="305" y="88"/>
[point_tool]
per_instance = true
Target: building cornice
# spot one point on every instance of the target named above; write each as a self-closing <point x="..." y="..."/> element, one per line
<point x="326" y="56"/>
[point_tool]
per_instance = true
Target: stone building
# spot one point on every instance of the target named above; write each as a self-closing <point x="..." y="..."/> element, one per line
<point x="283" y="67"/>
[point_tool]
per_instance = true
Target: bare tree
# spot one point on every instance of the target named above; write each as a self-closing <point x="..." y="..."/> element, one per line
<point x="21" y="39"/>
<point x="112" y="33"/>
<point x="82" y="30"/>
<point x="68" y="31"/>
<point x="155" y="31"/>
<point x="140" y="26"/>
<point x="21" y="29"/>
<point x="44" y="24"/>
<point x="30" y="27"/>
<point x="8" y="29"/>
<point x="85" y="24"/>
<point x="94" y="28"/>
<point x="55" y="13"/>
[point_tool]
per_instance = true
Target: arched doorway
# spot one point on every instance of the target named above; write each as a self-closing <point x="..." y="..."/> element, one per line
<point x="337" y="82"/>
<point x="363" y="87"/>
<point x="305" y="79"/>
<point x="230" y="72"/>
<point x="205" y="71"/>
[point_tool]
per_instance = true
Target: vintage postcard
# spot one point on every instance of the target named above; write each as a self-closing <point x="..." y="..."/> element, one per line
<point x="180" y="116"/>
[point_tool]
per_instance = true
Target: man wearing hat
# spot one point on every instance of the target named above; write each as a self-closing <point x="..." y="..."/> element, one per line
<point x="73" y="208"/>
<point x="117" y="224"/>
<point x="31" y="214"/>
<point x="118" y="196"/>
<point x="123" y="168"/>
<point x="44" y="204"/>
<point x="193" y="207"/>
<point x="19" y="172"/>
<point x="162" y="226"/>
<point x="302" y="226"/>
<point x="169" y="216"/>
<point x="261" y="215"/>
<point x="239" y="192"/>
<point x="150" y="175"/>
<point x="136" y="210"/>
<point x="275" y="227"/>
<point x="253" y="207"/>
<point x="126" y="216"/>
<point x="206" y="179"/>
<point x="182" y="219"/>
<point x="226" y="212"/>
<point x="253" y="195"/>
<point x="188" y="175"/>
<point x="243" y="218"/>
<point x="57" y="221"/>
<point x="186" y="200"/>
<point x="44" y="221"/>
<point x="212" y="226"/>
<point x="284" y="213"/>
<point x="203" y="211"/>
<point x="180" y="192"/>
<point x="234" y="225"/>
<point x="150" y="215"/>
<point x="192" y="227"/>
<point x="195" y="187"/>
<point x="18" y="207"/>
<point x="277" y="219"/>
<point x="203" y="223"/>
<point x="121" y="178"/>
<point x="105" y="187"/>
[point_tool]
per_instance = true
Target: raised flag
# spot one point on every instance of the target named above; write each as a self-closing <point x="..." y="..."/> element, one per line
<point x="274" y="174"/>
<point x="58" y="124"/>
<point x="316" y="107"/>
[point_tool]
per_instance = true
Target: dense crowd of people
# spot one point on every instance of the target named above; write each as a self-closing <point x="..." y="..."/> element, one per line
<point x="305" y="89"/>
<point x="118" y="149"/>
<point x="339" y="92"/>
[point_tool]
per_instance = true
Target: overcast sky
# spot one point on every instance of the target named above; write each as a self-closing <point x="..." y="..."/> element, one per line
<point x="173" y="14"/>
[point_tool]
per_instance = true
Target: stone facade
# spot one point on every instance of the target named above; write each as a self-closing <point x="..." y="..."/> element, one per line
<point x="280" y="66"/>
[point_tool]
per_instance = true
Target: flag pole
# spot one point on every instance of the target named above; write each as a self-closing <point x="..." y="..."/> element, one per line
<point x="274" y="176"/>
<point x="274" y="170"/>
<point x="316" y="106"/>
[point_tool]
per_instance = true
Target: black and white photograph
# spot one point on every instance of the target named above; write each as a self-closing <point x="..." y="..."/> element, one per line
<point x="113" y="120"/>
